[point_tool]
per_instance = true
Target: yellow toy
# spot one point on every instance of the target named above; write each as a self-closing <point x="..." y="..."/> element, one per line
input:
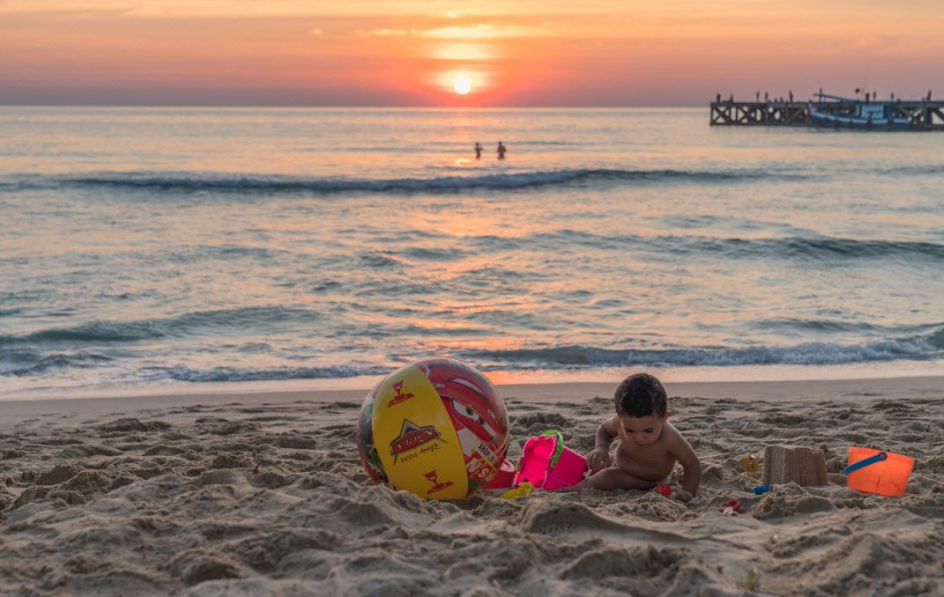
<point x="524" y="489"/>
<point x="751" y="464"/>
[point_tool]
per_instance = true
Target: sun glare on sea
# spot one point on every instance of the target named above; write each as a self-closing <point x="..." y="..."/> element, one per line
<point x="462" y="84"/>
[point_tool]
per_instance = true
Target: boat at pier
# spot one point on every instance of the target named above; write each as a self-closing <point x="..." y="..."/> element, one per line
<point x="842" y="112"/>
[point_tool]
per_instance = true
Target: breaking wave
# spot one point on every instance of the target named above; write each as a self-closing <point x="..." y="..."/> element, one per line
<point x="183" y="182"/>
<point x="920" y="348"/>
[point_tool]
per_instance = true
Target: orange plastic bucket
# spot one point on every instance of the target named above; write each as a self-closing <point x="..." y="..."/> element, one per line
<point x="888" y="476"/>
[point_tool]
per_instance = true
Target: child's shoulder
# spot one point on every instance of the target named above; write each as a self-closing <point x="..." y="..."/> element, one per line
<point x="670" y="433"/>
<point x="677" y="445"/>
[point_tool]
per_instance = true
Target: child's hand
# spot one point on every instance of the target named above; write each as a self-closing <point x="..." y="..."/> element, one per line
<point x="598" y="460"/>
<point x="683" y="496"/>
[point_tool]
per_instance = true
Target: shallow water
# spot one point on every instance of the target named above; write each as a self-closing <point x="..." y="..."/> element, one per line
<point x="155" y="246"/>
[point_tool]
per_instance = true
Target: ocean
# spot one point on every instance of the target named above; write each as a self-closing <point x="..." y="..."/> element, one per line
<point x="168" y="249"/>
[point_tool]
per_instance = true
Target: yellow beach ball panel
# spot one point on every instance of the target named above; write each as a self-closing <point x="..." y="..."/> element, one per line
<point x="416" y="440"/>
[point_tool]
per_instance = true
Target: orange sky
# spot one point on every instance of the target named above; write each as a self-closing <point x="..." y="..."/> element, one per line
<point x="406" y="53"/>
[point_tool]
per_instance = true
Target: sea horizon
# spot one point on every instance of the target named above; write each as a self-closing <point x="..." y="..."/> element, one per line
<point x="340" y="107"/>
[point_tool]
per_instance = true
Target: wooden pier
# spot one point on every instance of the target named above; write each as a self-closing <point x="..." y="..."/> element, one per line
<point x="834" y="112"/>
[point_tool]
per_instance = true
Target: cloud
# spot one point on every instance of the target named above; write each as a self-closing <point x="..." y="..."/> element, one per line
<point x="317" y="32"/>
<point x="386" y="32"/>
<point x="472" y="32"/>
<point x="462" y="50"/>
<point x="147" y="12"/>
<point x="488" y="31"/>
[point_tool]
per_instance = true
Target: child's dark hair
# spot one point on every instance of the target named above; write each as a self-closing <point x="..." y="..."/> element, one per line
<point x="641" y="395"/>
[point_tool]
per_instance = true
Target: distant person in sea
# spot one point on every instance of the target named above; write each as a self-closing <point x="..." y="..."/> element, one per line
<point x="649" y="446"/>
<point x="501" y="151"/>
<point x="478" y="150"/>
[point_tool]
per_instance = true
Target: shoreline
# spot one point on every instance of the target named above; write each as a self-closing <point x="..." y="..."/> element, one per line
<point x="554" y="393"/>
<point x="675" y="376"/>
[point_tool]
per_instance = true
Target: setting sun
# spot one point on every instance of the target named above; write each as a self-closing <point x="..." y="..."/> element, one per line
<point x="462" y="84"/>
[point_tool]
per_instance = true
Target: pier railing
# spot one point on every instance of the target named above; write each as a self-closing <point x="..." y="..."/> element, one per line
<point x="921" y="114"/>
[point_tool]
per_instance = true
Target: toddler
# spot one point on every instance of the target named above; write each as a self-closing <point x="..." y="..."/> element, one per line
<point x="649" y="446"/>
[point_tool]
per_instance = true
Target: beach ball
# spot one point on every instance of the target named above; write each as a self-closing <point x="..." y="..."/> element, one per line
<point x="437" y="428"/>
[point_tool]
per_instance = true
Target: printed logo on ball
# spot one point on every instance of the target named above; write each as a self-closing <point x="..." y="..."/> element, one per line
<point x="412" y="437"/>
<point x="400" y="397"/>
<point x="479" y="468"/>
<point x="438" y="486"/>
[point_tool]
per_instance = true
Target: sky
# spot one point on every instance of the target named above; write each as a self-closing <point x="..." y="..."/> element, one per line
<point x="520" y="53"/>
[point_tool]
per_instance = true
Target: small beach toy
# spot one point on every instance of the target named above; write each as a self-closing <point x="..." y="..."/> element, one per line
<point x="524" y="489"/>
<point x="751" y="463"/>
<point x="664" y="489"/>
<point x="762" y="489"/>
<point x="731" y="506"/>
<point x="505" y="477"/>
<point x="547" y="464"/>
<point x="875" y="471"/>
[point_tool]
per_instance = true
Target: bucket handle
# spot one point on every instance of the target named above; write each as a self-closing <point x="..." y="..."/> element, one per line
<point x="881" y="456"/>
<point x="560" y="445"/>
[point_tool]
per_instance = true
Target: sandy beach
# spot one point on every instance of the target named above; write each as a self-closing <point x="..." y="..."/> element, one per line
<point x="263" y="494"/>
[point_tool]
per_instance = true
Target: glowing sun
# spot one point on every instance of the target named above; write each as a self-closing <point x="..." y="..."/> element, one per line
<point x="462" y="84"/>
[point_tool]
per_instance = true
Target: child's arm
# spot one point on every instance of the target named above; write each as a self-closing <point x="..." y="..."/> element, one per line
<point x="686" y="456"/>
<point x="599" y="458"/>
